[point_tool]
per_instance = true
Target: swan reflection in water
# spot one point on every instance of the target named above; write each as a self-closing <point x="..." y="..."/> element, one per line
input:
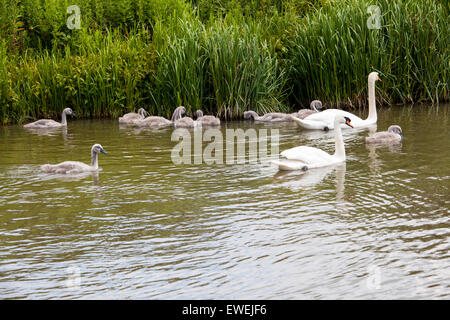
<point x="73" y="177"/>
<point x="50" y="132"/>
<point x="140" y="130"/>
<point x="300" y="180"/>
<point x="375" y="161"/>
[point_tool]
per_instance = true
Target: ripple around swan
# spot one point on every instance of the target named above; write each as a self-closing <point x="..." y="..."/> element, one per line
<point x="146" y="228"/>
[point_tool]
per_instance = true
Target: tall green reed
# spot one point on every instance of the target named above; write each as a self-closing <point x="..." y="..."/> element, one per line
<point x="224" y="69"/>
<point x="333" y="51"/>
<point x="106" y="78"/>
<point x="245" y="73"/>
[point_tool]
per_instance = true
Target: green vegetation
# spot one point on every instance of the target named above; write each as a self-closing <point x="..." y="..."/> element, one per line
<point x="223" y="56"/>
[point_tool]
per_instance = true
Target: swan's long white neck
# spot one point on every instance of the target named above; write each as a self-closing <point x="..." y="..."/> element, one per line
<point x="372" y="107"/>
<point x="64" y="118"/>
<point x="339" y="142"/>
<point x="94" y="162"/>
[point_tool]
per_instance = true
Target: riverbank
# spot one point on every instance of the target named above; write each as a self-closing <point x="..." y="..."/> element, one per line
<point x="224" y="58"/>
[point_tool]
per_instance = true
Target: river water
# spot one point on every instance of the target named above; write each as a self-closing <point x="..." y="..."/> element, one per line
<point x="377" y="227"/>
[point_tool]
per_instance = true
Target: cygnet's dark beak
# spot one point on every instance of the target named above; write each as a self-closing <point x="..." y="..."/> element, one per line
<point x="103" y="151"/>
<point x="73" y="114"/>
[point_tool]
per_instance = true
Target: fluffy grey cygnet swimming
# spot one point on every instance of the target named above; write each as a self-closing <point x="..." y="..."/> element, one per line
<point x="268" y="117"/>
<point x="157" y="122"/>
<point x="207" y="120"/>
<point x="73" y="167"/>
<point x="392" y="135"/>
<point x="185" y="122"/>
<point x="129" y="118"/>
<point x="48" y="123"/>
<point x="315" y="106"/>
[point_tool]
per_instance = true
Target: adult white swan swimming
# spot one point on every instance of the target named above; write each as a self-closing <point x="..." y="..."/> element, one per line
<point x="325" y="120"/>
<point x="73" y="167"/>
<point x="304" y="158"/>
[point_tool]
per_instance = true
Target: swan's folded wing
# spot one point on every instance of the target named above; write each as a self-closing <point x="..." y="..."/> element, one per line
<point x="65" y="167"/>
<point x="130" y="117"/>
<point x="309" y="124"/>
<point x="152" y="121"/>
<point x="307" y="155"/>
<point x="41" y="123"/>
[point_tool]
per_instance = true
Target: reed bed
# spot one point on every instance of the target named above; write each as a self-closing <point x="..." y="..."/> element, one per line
<point x="224" y="58"/>
<point x="333" y="51"/>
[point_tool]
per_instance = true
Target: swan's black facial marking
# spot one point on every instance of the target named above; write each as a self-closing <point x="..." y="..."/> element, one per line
<point x="305" y="168"/>
<point x="347" y="121"/>
<point x="326" y="129"/>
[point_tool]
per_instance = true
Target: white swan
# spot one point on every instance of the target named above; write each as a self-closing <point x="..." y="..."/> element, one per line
<point x="207" y="120"/>
<point x="48" y="123"/>
<point x="324" y="120"/>
<point x="129" y="118"/>
<point x="392" y="135"/>
<point x="155" y="121"/>
<point x="304" y="158"/>
<point x="73" y="167"/>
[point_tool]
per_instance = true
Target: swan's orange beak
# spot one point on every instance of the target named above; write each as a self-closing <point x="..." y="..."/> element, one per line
<point x="379" y="79"/>
<point x="348" y="123"/>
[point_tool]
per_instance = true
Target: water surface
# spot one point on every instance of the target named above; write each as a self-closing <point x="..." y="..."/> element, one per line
<point x="145" y="228"/>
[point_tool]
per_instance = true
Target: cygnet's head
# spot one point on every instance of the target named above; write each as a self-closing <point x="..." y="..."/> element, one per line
<point x="395" y="129"/>
<point x="178" y="113"/>
<point x="316" y="105"/>
<point x="374" y="76"/>
<point x="96" y="148"/>
<point x="142" y="112"/>
<point x="199" y="113"/>
<point x="69" y="112"/>
<point x="249" y="114"/>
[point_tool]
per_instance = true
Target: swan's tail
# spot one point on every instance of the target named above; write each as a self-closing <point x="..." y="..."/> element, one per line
<point x="286" y="164"/>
